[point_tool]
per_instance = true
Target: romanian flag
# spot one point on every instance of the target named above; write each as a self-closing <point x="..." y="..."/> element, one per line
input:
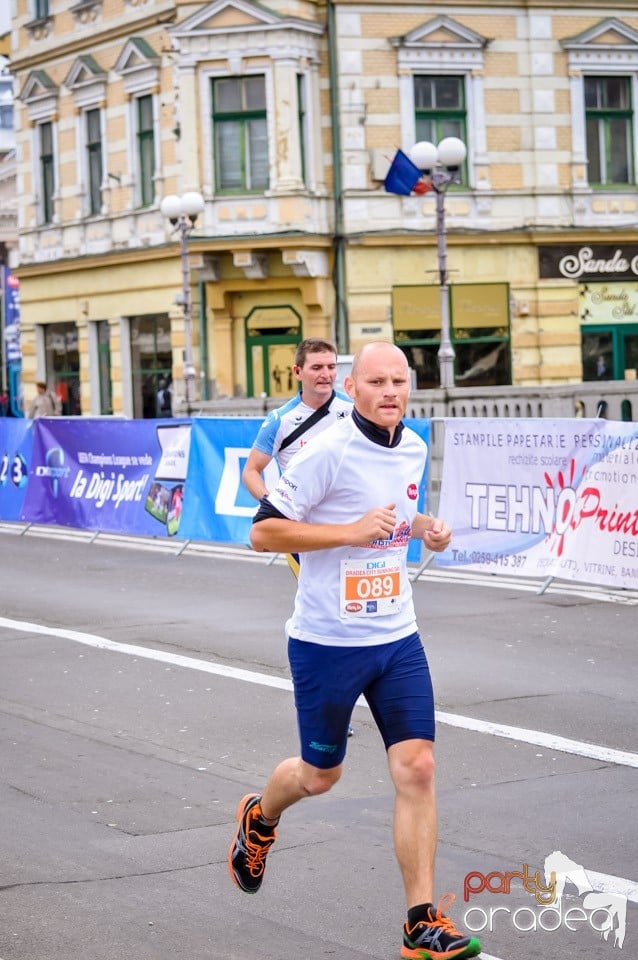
<point x="404" y="177"/>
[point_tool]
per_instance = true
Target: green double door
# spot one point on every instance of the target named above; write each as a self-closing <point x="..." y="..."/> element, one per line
<point x="272" y="335"/>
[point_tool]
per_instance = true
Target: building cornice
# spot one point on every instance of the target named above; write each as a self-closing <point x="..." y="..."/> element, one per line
<point x="530" y="237"/>
<point x="512" y="5"/>
<point x="123" y="30"/>
<point x="196" y="245"/>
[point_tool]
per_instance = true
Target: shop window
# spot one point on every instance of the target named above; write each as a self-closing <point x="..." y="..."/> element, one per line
<point x="151" y="362"/>
<point x="609" y="130"/>
<point x="610" y="352"/>
<point x="63" y="365"/>
<point x="479" y="331"/>
<point x="240" y="134"/>
<point x="104" y="367"/>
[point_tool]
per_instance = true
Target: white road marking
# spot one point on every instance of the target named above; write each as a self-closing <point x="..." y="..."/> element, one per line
<point x="548" y="741"/>
<point x="606" y="883"/>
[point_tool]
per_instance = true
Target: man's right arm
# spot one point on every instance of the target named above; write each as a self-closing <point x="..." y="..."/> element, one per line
<point x="275" y="533"/>
<point x="252" y="473"/>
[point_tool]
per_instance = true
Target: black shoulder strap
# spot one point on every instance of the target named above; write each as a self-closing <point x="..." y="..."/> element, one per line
<point x="315" y="417"/>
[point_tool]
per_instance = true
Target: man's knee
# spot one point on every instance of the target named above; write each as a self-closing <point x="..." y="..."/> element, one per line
<point x="315" y="780"/>
<point x="412" y="764"/>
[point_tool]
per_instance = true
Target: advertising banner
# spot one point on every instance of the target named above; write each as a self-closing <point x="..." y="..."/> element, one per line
<point x="131" y="476"/>
<point x="541" y="498"/>
<point x="219" y="508"/>
<point x="118" y="476"/>
<point x="11" y="290"/>
<point x="15" y="458"/>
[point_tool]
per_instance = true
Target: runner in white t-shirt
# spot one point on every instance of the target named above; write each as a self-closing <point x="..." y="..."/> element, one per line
<point x="348" y="504"/>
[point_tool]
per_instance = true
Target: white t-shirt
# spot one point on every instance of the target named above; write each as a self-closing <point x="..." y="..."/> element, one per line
<point x="351" y="596"/>
<point x="280" y="423"/>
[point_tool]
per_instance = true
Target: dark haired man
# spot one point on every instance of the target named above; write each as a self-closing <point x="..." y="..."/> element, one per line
<point x="286" y="430"/>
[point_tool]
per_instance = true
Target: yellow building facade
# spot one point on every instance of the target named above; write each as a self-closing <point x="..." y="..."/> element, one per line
<point x="285" y="116"/>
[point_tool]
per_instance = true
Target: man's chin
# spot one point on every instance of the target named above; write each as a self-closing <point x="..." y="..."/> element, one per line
<point x="388" y="418"/>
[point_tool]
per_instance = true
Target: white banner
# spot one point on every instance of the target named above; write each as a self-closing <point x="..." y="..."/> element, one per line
<point x="542" y="498"/>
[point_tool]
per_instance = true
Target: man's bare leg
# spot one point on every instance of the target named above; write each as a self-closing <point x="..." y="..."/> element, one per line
<point x="293" y="780"/>
<point x="412" y="769"/>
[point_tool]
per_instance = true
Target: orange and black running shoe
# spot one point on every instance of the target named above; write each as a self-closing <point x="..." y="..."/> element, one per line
<point x="437" y="938"/>
<point x="253" y="840"/>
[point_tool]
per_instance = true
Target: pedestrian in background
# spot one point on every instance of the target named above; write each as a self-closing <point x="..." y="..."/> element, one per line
<point x="165" y="399"/>
<point x="44" y="404"/>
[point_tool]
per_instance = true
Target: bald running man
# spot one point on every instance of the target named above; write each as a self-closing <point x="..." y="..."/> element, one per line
<point x="353" y="633"/>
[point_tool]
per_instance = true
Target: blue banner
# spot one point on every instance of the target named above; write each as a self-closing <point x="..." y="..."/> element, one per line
<point x="219" y="507"/>
<point x="15" y="459"/>
<point x="119" y="476"/>
<point x="11" y="288"/>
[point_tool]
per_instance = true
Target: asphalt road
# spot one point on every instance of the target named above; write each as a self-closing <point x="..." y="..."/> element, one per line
<point x="121" y="769"/>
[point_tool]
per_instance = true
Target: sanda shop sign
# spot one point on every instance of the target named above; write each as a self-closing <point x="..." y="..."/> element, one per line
<point x="595" y="262"/>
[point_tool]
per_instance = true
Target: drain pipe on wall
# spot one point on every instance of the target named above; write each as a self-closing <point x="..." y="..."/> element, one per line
<point x="342" y="333"/>
<point x="203" y="343"/>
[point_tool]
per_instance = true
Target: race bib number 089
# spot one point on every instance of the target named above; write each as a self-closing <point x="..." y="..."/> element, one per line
<point x="370" y="588"/>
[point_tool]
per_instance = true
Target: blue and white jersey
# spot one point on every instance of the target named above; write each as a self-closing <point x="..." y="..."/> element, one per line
<point x="280" y="423"/>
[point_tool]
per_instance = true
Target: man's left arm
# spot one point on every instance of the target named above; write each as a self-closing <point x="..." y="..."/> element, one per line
<point x="435" y="533"/>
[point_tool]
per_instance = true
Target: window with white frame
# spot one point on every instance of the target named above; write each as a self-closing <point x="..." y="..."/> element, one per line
<point x="145" y="143"/>
<point x="40" y="96"/>
<point x="94" y="160"/>
<point x="609" y="130"/>
<point x="41" y="9"/>
<point x="439" y="108"/>
<point x="87" y="81"/>
<point x="441" y="80"/>
<point x="240" y="134"/>
<point x="46" y="164"/>
<point x="139" y="66"/>
<point x="603" y="69"/>
<point x="302" y="114"/>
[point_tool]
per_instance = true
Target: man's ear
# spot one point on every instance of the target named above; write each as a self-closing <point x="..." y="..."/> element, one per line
<point x="349" y="387"/>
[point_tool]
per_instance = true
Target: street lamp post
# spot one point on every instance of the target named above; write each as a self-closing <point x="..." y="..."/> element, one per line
<point x="183" y="213"/>
<point x="441" y="165"/>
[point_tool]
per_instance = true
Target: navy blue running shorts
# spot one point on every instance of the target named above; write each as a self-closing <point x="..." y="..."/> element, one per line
<point x="393" y="677"/>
